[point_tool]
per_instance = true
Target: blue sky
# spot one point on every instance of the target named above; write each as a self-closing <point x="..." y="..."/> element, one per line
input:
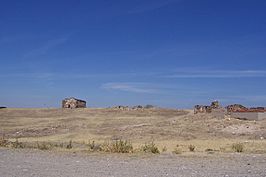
<point x="170" y="53"/>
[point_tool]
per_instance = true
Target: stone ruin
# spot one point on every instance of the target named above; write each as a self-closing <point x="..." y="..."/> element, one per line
<point x="207" y="109"/>
<point x="202" y="109"/>
<point x="236" y="108"/>
<point x="73" y="103"/>
<point x="241" y="108"/>
<point x="137" y="107"/>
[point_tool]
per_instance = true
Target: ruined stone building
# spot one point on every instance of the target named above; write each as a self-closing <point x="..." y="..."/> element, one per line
<point x="207" y="109"/>
<point x="73" y="103"/>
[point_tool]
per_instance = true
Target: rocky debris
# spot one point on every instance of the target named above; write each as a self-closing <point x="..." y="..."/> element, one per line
<point x="236" y="108"/>
<point x="207" y="109"/>
<point x="202" y="109"/>
<point x="241" y="108"/>
<point x="137" y="107"/>
<point x="73" y="103"/>
<point x="120" y="107"/>
<point x="215" y="105"/>
<point x="257" y="109"/>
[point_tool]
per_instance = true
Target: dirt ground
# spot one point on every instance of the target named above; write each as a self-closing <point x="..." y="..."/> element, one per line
<point x="166" y="127"/>
<point x="31" y="163"/>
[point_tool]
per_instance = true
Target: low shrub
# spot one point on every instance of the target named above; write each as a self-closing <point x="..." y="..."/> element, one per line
<point x="238" y="147"/>
<point x="3" y="142"/>
<point x="119" y="146"/>
<point x="164" y="149"/>
<point x="17" y="144"/>
<point x="150" y="148"/>
<point x="177" y="150"/>
<point x="69" y="145"/>
<point x="209" y="150"/>
<point x="191" y="148"/>
<point x="44" y="146"/>
<point x="94" y="147"/>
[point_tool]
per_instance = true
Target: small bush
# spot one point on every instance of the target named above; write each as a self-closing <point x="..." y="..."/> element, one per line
<point x="17" y="144"/>
<point x="60" y="145"/>
<point x="191" y="148"/>
<point x="164" y="149"/>
<point x="119" y="146"/>
<point x="209" y="150"/>
<point x="150" y="148"/>
<point x="94" y="147"/>
<point x="69" y="145"/>
<point x="3" y="142"/>
<point x="238" y="147"/>
<point x="44" y="146"/>
<point x="177" y="150"/>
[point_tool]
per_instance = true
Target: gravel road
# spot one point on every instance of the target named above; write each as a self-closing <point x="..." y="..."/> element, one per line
<point x="34" y="163"/>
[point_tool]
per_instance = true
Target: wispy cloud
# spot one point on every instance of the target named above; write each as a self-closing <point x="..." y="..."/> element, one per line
<point x="217" y="74"/>
<point x="130" y="87"/>
<point x="67" y="75"/>
<point x="46" y="47"/>
<point x="180" y="73"/>
<point x="151" y="6"/>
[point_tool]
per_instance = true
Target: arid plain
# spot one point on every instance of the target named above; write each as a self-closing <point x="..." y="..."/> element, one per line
<point x="169" y="129"/>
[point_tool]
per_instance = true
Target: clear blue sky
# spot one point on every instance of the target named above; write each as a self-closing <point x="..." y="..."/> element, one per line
<point x="170" y="53"/>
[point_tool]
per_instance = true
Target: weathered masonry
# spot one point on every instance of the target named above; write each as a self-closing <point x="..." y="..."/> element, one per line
<point x="73" y="103"/>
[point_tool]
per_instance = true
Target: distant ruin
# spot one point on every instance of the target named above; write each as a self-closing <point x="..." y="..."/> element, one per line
<point x="207" y="109"/>
<point x="235" y="111"/>
<point x="137" y="107"/>
<point x="236" y="108"/>
<point x="73" y="103"/>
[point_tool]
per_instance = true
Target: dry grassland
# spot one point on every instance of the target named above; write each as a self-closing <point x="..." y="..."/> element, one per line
<point x="169" y="129"/>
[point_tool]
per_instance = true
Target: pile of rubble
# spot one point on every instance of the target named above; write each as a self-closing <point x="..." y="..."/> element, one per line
<point x="207" y="109"/>
<point x="137" y="107"/>
<point x="234" y="108"/>
<point x="241" y="108"/>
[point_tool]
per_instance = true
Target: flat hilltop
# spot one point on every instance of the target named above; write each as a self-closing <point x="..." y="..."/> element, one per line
<point x="167" y="128"/>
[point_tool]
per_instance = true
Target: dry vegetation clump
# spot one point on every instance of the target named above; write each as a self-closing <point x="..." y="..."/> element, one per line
<point x="164" y="149"/>
<point x="191" y="148"/>
<point x="44" y="146"/>
<point x="93" y="147"/>
<point x="238" y="147"/>
<point x="118" y="146"/>
<point x="18" y="144"/>
<point x="3" y="142"/>
<point x="177" y="150"/>
<point x="69" y="145"/>
<point x="150" y="148"/>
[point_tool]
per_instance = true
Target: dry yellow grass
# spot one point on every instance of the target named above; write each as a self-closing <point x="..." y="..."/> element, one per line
<point x="166" y="127"/>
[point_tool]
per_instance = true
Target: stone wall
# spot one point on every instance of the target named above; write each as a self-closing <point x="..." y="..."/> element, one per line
<point x="73" y="103"/>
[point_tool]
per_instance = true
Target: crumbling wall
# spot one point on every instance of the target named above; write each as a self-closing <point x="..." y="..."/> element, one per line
<point x="73" y="103"/>
<point x="236" y="108"/>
